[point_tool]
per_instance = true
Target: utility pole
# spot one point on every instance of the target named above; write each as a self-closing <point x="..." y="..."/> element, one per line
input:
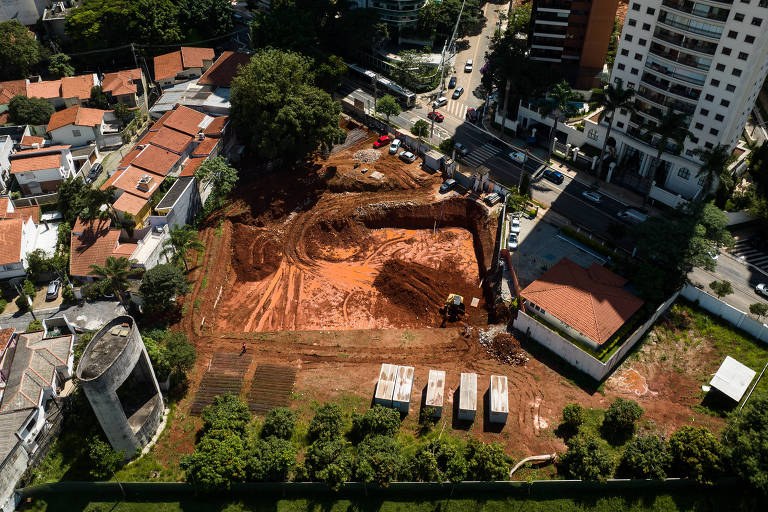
<point x="448" y="44"/>
<point x="143" y="84"/>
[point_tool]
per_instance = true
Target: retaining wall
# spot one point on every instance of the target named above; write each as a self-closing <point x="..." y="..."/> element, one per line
<point x="730" y="314"/>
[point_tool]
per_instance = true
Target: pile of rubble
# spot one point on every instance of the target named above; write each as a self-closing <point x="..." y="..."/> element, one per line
<point x="503" y="347"/>
<point x="366" y="156"/>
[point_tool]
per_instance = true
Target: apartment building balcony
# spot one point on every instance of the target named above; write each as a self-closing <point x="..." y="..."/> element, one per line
<point x="662" y="100"/>
<point x="694" y="27"/>
<point x="671" y="72"/>
<point x="684" y="42"/>
<point x="666" y="86"/>
<point x="551" y="18"/>
<point x="559" y="31"/>
<point x="679" y="57"/>
<point x="697" y="9"/>
<point x="557" y="5"/>
<point x="547" y="42"/>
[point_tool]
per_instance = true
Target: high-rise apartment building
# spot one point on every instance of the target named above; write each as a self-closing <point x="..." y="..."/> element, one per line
<point x="573" y="36"/>
<point x="706" y="59"/>
<point x="395" y="12"/>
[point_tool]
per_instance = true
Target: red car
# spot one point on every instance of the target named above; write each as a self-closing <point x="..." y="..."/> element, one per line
<point x="382" y="141"/>
<point x="437" y="116"/>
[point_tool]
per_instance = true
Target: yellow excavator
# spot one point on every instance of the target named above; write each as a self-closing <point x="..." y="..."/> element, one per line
<point x="453" y="309"/>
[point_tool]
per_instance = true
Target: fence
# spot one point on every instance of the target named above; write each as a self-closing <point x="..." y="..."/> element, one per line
<point x="730" y="314"/>
<point x="36" y="200"/>
<point x="575" y="356"/>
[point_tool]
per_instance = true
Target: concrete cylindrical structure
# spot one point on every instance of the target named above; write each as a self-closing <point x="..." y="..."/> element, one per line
<point x="118" y="379"/>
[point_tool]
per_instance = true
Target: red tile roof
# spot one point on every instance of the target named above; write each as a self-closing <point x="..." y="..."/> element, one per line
<point x="75" y="115"/>
<point x="35" y="163"/>
<point x="5" y="336"/>
<point x="129" y="179"/>
<point x="170" y="139"/>
<point x="193" y="56"/>
<point x="94" y="226"/>
<point x="224" y="69"/>
<point x="10" y="240"/>
<point x="128" y="158"/>
<point x="12" y="88"/>
<point x="206" y="146"/>
<point x="156" y="159"/>
<point x="592" y="300"/>
<point x="77" y="86"/>
<point x="129" y="203"/>
<point x="190" y="166"/>
<point x="28" y="140"/>
<point x="121" y="82"/>
<point x="185" y="120"/>
<point x="169" y="64"/>
<point x="48" y="89"/>
<point x="125" y="249"/>
<point x="111" y="180"/>
<point x="92" y="247"/>
<point x="160" y="122"/>
<point x="20" y="212"/>
<point x="216" y="127"/>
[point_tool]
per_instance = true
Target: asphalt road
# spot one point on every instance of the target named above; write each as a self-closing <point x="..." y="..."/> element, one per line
<point x="743" y="279"/>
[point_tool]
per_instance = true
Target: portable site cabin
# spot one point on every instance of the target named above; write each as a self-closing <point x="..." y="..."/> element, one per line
<point x="435" y="389"/>
<point x="733" y="378"/>
<point x="499" y="399"/>
<point x="401" y="400"/>
<point x="468" y="397"/>
<point x="385" y="387"/>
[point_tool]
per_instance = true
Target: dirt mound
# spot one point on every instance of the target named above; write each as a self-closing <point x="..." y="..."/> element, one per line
<point x="504" y="347"/>
<point x="336" y="239"/>
<point x="256" y="252"/>
<point x="366" y="156"/>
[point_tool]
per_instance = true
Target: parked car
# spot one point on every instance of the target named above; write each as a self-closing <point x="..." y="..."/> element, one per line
<point x="590" y="195"/>
<point x="457" y="92"/>
<point x="632" y="216"/>
<point x="512" y="242"/>
<point x="461" y="149"/>
<point x="713" y="254"/>
<point x="407" y="156"/>
<point x="447" y="185"/>
<point x="94" y="173"/>
<point x="554" y="176"/>
<point x="53" y="290"/>
<point x="452" y="82"/>
<point x="471" y="114"/>
<point x="439" y="102"/>
<point x="518" y="157"/>
<point x="382" y="141"/>
<point x="762" y="289"/>
<point x="437" y="116"/>
<point x="468" y="66"/>
<point x="394" y="146"/>
<point x="515" y="225"/>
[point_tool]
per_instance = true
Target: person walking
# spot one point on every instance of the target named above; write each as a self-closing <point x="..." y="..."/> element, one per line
<point x="243" y="349"/>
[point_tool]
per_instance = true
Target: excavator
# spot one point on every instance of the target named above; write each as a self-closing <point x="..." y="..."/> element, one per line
<point x="453" y="309"/>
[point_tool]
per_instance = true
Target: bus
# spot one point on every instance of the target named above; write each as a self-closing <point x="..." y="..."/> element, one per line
<point x="403" y="95"/>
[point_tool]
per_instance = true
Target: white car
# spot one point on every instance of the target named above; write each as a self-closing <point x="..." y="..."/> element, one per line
<point x="512" y="242"/>
<point x="762" y="289"/>
<point x="407" y="156"/>
<point x="592" y="196"/>
<point x="461" y="149"/>
<point x="515" y="226"/>
<point x="468" y="66"/>
<point x="439" y="102"/>
<point x="517" y="157"/>
<point x="394" y="146"/>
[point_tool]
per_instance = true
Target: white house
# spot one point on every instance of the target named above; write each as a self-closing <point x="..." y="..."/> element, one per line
<point x="79" y="126"/>
<point x="6" y="147"/>
<point x="40" y="171"/>
<point x="17" y="239"/>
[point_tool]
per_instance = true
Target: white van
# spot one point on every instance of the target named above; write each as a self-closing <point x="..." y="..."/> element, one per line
<point x="633" y="216"/>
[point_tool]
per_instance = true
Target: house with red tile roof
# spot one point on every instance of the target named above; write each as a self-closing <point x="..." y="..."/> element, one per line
<point x="589" y="304"/>
<point x="17" y="239"/>
<point x="184" y="64"/>
<point x="78" y="126"/>
<point x="92" y="242"/>
<point x="224" y="69"/>
<point x="124" y="86"/>
<point x="40" y="171"/>
<point x="68" y="91"/>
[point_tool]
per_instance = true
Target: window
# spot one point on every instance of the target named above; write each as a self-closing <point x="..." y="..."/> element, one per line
<point x="630" y="85"/>
<point x="708" y="145"/>
<point x="720" y="67"/>
<point x="635" y="7"/>
<point x="738" y="17"/>
<point x="713" y="131"/>
<point x="592" y="134"/>
<point x="743" y="55"/>
<point x="701" y="181"/>
<point x="651" y="11"/>
<point x="714" y="82"/>
<point x="646" y="26"/>
<point x="699" y="126"/>
<point x="749" y="39"/>
<point x="736" y="72"/>
<point x="689" y="152"/>
<point x="757" y="22"/>
<point x="732" y="34"/>
<point x="709" y="97"/>
<point x="704" y="112"/>
<point x="621" y="66"/>
<point x="730" y="87"/>
<point x="719" y="117"/>
<point x="76" y="133"/>
<point x="695" y="140"/>
<point x="726" y="50"/>
<point x="623" y="111"/>
<point x="725" y="103"/>
<point x="625" y="52"/>
<point x="634" y="71"/>
<point x="619" y="124"/>
<point x="684" y="173"/>
<point x="628" y="37"/>
<point x="642" y="42"/>
<point x="638" y="56"/>
<point x="631" y="22"/>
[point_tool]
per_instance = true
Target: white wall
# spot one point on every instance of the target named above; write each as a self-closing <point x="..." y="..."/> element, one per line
<point x="725" y="311"/>
<point x="40" y="176"/>
<point x="65" y="135"/>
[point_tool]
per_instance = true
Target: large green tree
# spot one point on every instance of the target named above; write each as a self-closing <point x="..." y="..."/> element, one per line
<point x="379" y="459"/>
<point x="280" y="422"/>
<point x="586" y="458"/>
<point x="331" y="461"/>
<point x="487" y="461"/>
<point x="620" y="420"/>
<point x="228" y="411"/>
<point x="279" y="112"/>
<point x="714" y="168"/>
<point x="437" y="19"/>
<point x="180" y="241"/>
<point x="114" y="275"/>
<point x="377" y="421"/>
<point x="327" y="423"/>
<point x="20" y="52"/>
<point x="270" y="460"/>
<point x="645" y="457"/>
<point x="205" y="18"/>
<point x="220" y="174"/>
<point x="219" y="459"/>
<point x="60" y="65"/>
<point x="160" y="284"/>
<point x="696" y="454"/>
<point x="746" y="443"/>
<point x="388" y="106"/>
<point x="35" y="111"/>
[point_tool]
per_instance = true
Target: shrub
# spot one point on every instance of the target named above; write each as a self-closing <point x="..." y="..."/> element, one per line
<point x="379" y="459"/>
<point x="35" y="325"/>
<point x="695" y="454"/>
<point x="487" y="461"/>
<point x="280" y="422"/>
<point x="328" y="423"/>
<point x="228" y="412"/>
<point x="29" y="289"/>
<point x="586" y="458"/>
<point x="620" y="418"/>
<point x="22" y="303"/>
<point x="645" y="457"/>
<point x="3" y="303"/>
<point x="331" y="461"/>
<point x="270" y="460"/>
<point x="104" y="460"/>
<point x="721" y="288"/>
<point x="747" y="446"/>
<point x="67" y="295"/>
<point x="377" y="421"/>
<point x="592" y="244"/>
<point x="573" y="416"/>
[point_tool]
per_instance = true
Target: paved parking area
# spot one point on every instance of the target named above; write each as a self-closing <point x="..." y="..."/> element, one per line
<point x="540" y="247"/>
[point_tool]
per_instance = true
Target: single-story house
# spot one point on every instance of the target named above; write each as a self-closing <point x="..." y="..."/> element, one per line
<point x="188" y="62"/>
<point x="17" y="239"/>
<point x="65" y="92"/>
<point x="77" y="126"/>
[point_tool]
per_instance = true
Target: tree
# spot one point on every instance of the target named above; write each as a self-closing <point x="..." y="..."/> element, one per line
<point x="573" y="418"/>
<point x="379" y="459"/>
<point x="525" y="184"/>
<point x="270" y="460"/>
<point x="388" y="106"/>
<point x="125" y="114"/>
<point x="437" y="19"/>
<point x="205" y="18"/>
<point x="746" y="443"/>
<point x="438" y="461"/>
<point x="721" y="288"/>
<point x="586" y="458"/>
<point x="620" y="418"/>
<point x="114" y="275"/>
<point x="279" y="423"/>
<point x="695" y="454"/>
<point x="104" y="460"/>
<point x="60" y="65"/>
<point x="219" y="459"/>
<point x="20" y="52"/>
<point x="330" y="72"/>
<point x="180" y="353"/>
<point x="330" y="460"/>
<point x="35" y="325"/>
<point x="98" y="98"/>
<point x="327" y="423"/>
<point x="160" y="284"/>
<point x="487" y="461"/>
<point x="672" y="128"/>
<point x="714" y="167"/>
<point x="228" y="412"/>
<point x="38" y="262"/>
<point x="279" y="112"/>
<point x="182" y="240"/>
<point x="558" y="103"/>
<point x="70" y="198"/>
<point x="645" y="457"/>
<point x="23" y="110"/>
<point x="420" y="129"/>
<point x="611" y="98"/>
<point x="221" y="175"/>
<point x="377" y="421"/>
<point x="759" y="309"/>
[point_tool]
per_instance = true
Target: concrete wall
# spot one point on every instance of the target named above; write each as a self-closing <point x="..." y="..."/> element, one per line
<point x="11" y="471"/>
<point x="727" y="312"/>
<point x="66" y="135"/>
<point x="25" y="12"/>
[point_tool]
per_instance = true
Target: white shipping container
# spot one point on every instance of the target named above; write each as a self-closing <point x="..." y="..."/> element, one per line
<point x="499" y="398"/>
<point x="468" y="397"/>
<point x="385" y="387"/>
<point x="435" y="391"/>
<point x="401" y="399"/>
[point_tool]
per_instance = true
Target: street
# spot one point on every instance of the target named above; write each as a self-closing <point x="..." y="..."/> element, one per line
<point x="743" y="279"/>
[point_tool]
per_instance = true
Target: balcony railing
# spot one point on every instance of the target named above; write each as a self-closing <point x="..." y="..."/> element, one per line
<point x="665" y="101"/>
<point x="564" y="5"/>
<point x="680" y="58"/>
<point x="665" y="85"/>
<point x="700" y="10"/>
<point x="551" y="16"/>
<point x="668" y="72"/>
<point x="690" y="26"/>
<point x="684" y="42"/>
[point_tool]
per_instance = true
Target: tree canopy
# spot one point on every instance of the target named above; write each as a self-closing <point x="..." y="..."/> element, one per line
<point x="620" y="419"/>
<point x="379" y="459"/>
<point x="377" y="421"/>
<point x="160" y="284"/>
<point x="586" y="458"/>
<point x="23" y="110"/>
<point x="59" y="65"/>
<point x="280" y="423"/>
<point x="747" y="443"/>
<point x="20" y="52"/>
<point x="327" y="423"/>
<point x="277" y="109"/>
<point x="437" y="19"/>
<point x="696" y="454"/>
<point x="645" y="457"/>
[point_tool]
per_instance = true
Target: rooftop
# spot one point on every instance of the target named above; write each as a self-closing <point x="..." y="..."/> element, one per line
<point x="190" y="166"/>
<point x="78" y="86"/>
<point x="130" y="203"/>
<point x="10" y="89"/>
<point x="169" y="64"/>
<point x="48" y="89"/>
<point x="156" y="160"/>
<point x="206" y="146"/>
<point x="186" y="120"/>
<point x="10" y="240"/>
<point x="35" y="162"/>
<point x="732" y="378"/>
<point x="216" y="128"/>
<point x="174" y="193"/>
<point x="592" y="300"/>
<point x="104" y="348"/>
<point x="75" y="115"/>
<point x="170" y="139"/>
<point x="129" y="181"/>
<point x="92" y="242"/>
<point x="121" y="82"/>
<point x="224" y="69"/>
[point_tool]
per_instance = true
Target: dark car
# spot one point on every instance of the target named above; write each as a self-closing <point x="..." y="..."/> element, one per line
<point x="458" y="92"/>
<point x="472" y="114"/>
<point x="94" y="173"/>
<point x="554" y="176"/>
<point x="452" y="82"/>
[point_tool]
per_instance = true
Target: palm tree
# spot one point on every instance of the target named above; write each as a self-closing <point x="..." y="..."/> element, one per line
<point x="114" y="274"/>
<point x="420" y="129"/>
<point x="561" y="95"/>
<point x="672" y="127"/>
<point x="714" y="166"/>
<point x="181" y="240"/>
<point x="611" y="98"/>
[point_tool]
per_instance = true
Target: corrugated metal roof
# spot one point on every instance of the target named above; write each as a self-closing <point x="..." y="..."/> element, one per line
<point x="732" y="378"/>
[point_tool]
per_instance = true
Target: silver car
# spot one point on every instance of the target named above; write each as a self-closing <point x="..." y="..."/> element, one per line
<point x="592" y="196"/>
<point x="394" y="146"/>
<point x="762" y="289"/>
<point x="512" y="242"/>
<point x="407" y="156"/>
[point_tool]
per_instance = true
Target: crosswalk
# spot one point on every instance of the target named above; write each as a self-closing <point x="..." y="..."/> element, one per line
<point x="454" y="108"/>
<point x="743" y="249"/>
<point x="481" y="155"/>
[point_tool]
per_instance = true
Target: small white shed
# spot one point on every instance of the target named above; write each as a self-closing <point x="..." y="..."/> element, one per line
<point x="385" y="387"/>
<point x="435" y="391"/>
<point x="468" y="397"/>
<point x="401" y="400"/>
<point x="732" y="378"/>
<point x="499" y="399"/>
